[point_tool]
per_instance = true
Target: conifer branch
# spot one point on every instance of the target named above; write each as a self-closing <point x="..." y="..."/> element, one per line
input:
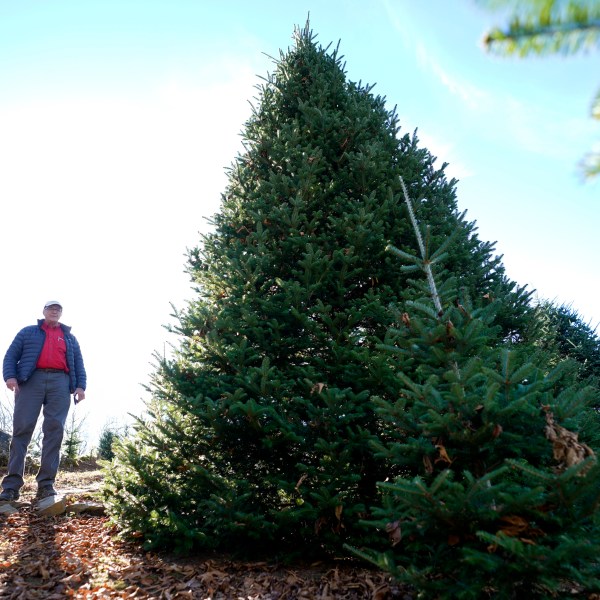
<point x="426" y="262"/>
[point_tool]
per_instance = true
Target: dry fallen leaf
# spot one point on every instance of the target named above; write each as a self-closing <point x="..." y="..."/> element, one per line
<point x="394" y="532"/>
<point x="567" y="450"/>
<point x="338" y="512"/>
<point x="514" y="525"/>
<point x="428" y="464"/>
<point x="443" y="456"/>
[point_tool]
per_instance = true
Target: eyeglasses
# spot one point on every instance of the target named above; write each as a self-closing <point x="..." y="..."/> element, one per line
<point x="57" y="308"/>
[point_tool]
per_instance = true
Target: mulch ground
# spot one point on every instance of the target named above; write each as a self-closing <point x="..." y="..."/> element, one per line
<point x="79" y="556"/>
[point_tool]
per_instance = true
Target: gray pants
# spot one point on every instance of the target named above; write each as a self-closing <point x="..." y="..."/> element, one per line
<point x="49" y="391"/>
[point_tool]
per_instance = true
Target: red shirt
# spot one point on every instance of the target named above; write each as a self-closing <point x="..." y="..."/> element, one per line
<point x="54" y="352"/>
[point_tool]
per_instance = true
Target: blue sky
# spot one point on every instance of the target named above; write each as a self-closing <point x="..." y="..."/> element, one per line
<point x="119" y="117"/>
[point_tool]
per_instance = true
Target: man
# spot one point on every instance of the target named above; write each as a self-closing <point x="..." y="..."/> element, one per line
<point x="43" y="366"/>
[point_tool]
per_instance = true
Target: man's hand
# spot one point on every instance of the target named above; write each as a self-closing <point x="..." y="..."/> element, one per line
<point x="79" y="395"/>
<point x="12" y="384"/>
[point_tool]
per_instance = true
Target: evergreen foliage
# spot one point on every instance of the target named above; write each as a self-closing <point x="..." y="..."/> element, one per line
<point x="73" y="443"/>
<point x="108" y="436"/>
<point x="257" y="434"/>
<point x="498" y="494"/>
<point x="542" y="27"/>
<point x="561" y="331"/>
<point x="546" y="26"/>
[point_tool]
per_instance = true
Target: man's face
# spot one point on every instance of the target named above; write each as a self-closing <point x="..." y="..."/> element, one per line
<point x="52" y="313"/>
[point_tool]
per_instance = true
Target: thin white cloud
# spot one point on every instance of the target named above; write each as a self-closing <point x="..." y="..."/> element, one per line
<point x="531" y="121"/>
<point x="471" y="95"/>
<point x="543" y="130"/>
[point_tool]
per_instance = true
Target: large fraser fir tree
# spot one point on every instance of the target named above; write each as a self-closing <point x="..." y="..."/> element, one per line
<point x="561" y="331"/>
<point x="499" y="491"/>
<point x="258" y="429"/>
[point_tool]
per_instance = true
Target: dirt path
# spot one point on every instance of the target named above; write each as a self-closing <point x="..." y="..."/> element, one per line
<point x="79" y="556"/>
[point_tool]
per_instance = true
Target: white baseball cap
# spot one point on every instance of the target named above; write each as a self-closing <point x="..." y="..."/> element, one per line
<point x="52" y="302"/>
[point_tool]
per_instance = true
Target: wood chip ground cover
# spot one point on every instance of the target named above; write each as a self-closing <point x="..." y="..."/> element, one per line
<point x="79" y="556"/>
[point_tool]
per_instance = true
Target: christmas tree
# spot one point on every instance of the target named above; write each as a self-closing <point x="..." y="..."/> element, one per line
<point x="497" y="494"/>
<point x="561" y="330"/>
<point x="258" y="428"/>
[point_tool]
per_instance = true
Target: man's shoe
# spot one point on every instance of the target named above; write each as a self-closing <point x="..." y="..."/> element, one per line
<point x="45" y="492"/>
<point x="9" y="495"/>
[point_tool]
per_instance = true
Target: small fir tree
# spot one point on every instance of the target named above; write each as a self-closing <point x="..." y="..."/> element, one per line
<point x="73" y="443"/>
<point x="498" y="493"/>
<point x="107" y="438"/>
<point x="257" y="432"/>
<point x="6" y="412"/>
